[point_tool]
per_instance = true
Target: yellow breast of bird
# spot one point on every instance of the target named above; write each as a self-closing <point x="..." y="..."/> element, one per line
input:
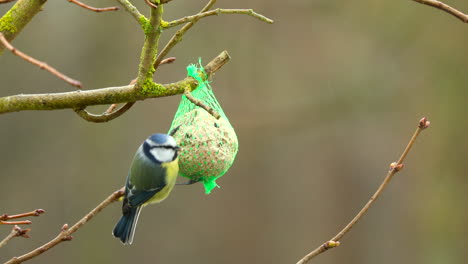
<point x="172" y="169"/>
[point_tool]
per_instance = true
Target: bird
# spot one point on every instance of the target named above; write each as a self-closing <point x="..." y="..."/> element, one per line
<point x="151" y="178"/>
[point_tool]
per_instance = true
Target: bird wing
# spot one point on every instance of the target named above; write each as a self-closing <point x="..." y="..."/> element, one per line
<point x="146" y="178"/>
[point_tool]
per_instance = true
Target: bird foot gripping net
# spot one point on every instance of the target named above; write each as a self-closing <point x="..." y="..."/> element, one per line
<point x="208" y="145"/>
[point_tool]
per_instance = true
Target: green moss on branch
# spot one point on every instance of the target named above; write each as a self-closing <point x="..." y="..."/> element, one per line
<point x="18" y="17"/>
<point x="79" y="99"/>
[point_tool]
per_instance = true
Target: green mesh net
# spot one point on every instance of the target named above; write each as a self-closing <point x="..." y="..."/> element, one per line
<point x="208" y="145"/>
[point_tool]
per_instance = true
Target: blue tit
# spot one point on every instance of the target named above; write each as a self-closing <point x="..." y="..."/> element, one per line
<point x="151" y="178"/>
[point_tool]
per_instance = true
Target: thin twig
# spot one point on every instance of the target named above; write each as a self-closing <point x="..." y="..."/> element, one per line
<point x="153" y="5"/>
<point x="95" y="9"/>
<point x="40" y="64"/>
<point x="16" y="231"/>
<point x="110" y="113"/>
<point x="11" y="235"/>
<point x="439" y="5"/>
<point x="394" y="168"/>
<point x="5" y="217"/>
<point x="110" y="95"/>
<point x="130" y="8"/>
<point x="168" y="60"/>
<point x="36" y="212"/>
<point x="201" y="104"/>
<point x="65" y="234"/>
<point x="178" y="35"/>
<point x="216" y="12"/>
<point x="6" y="1"/>
<point x="24" y="222"/>
<point x="105" y="117"/>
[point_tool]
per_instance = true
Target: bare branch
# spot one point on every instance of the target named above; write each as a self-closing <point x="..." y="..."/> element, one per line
<point x="5" y="217"/>
<point x="217" y="12"/>
<point x="38" y="63"/>
<point x="6" y="1"/>
<point x="201" y="104"/>
<point x="444" y="7"/>
<point x="130" y="8"/>
<point x="16" y="231"/>
<point x="95" y="9"/>
<point x="105" y="117"/>
<point x="178" y="35"/>
<point x="65" y="234"/>
<point x="151" y="4"/>
<point x="24" y="222"/>
<point x="394" y="168"/>
<point x="36" y="212"/>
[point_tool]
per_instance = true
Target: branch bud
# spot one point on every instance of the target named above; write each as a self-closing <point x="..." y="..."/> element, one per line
<point x="424" y="123"/>
<point x="67" y="238"/>
<point x="331" y="244"/>
<point x="396" y="166"/>
<point x="38" y="212"/>
<point x="20" y="232"/>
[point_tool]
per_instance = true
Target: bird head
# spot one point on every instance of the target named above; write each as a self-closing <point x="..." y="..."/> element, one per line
<point x="160" y="148"/>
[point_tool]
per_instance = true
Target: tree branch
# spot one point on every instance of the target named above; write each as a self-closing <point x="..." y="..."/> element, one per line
<point x="5" y="217"/>
<point x="65" y="234"/>
<point x="106" y="116"/>
<point x="178" y="36"/>
<point x="38" y="63"/>
<point x="150" y="48"/>
<point x="36" y="212"/>
<point x="199" y="103"/>
<point x="217" y="12"/>
<point x="19" y="15"/>
<point x="95" y="9"/>
<point x="16" y="231"/>
<point x="444" y="7"/>
<point x="110" y="113"/>
<point x="111" y="95"/>
<point x="130" y="8"/>
<point x="394" y="168"/>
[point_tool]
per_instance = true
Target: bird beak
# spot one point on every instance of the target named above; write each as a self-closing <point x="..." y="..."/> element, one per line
<point x="177" y="148"/>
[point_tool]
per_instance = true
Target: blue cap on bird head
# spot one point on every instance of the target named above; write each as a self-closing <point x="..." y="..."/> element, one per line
<point x="162" y="139"/>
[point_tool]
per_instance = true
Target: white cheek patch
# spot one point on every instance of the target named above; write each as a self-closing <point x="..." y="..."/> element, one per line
<point x="162" y="154"/>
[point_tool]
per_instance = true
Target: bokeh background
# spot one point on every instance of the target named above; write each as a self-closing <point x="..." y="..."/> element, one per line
<point x="322" y="101"/>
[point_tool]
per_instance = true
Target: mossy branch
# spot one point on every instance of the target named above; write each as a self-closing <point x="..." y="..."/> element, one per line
<point x="111" y="95"/>
<point x="150" y="48"/>
<point x="19" y="15"/>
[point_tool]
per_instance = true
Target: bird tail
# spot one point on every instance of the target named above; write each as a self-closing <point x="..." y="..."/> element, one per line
<point x="125" y="228"/>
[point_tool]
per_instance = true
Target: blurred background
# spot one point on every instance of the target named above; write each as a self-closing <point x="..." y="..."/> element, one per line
<point x="322" y="102"/>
